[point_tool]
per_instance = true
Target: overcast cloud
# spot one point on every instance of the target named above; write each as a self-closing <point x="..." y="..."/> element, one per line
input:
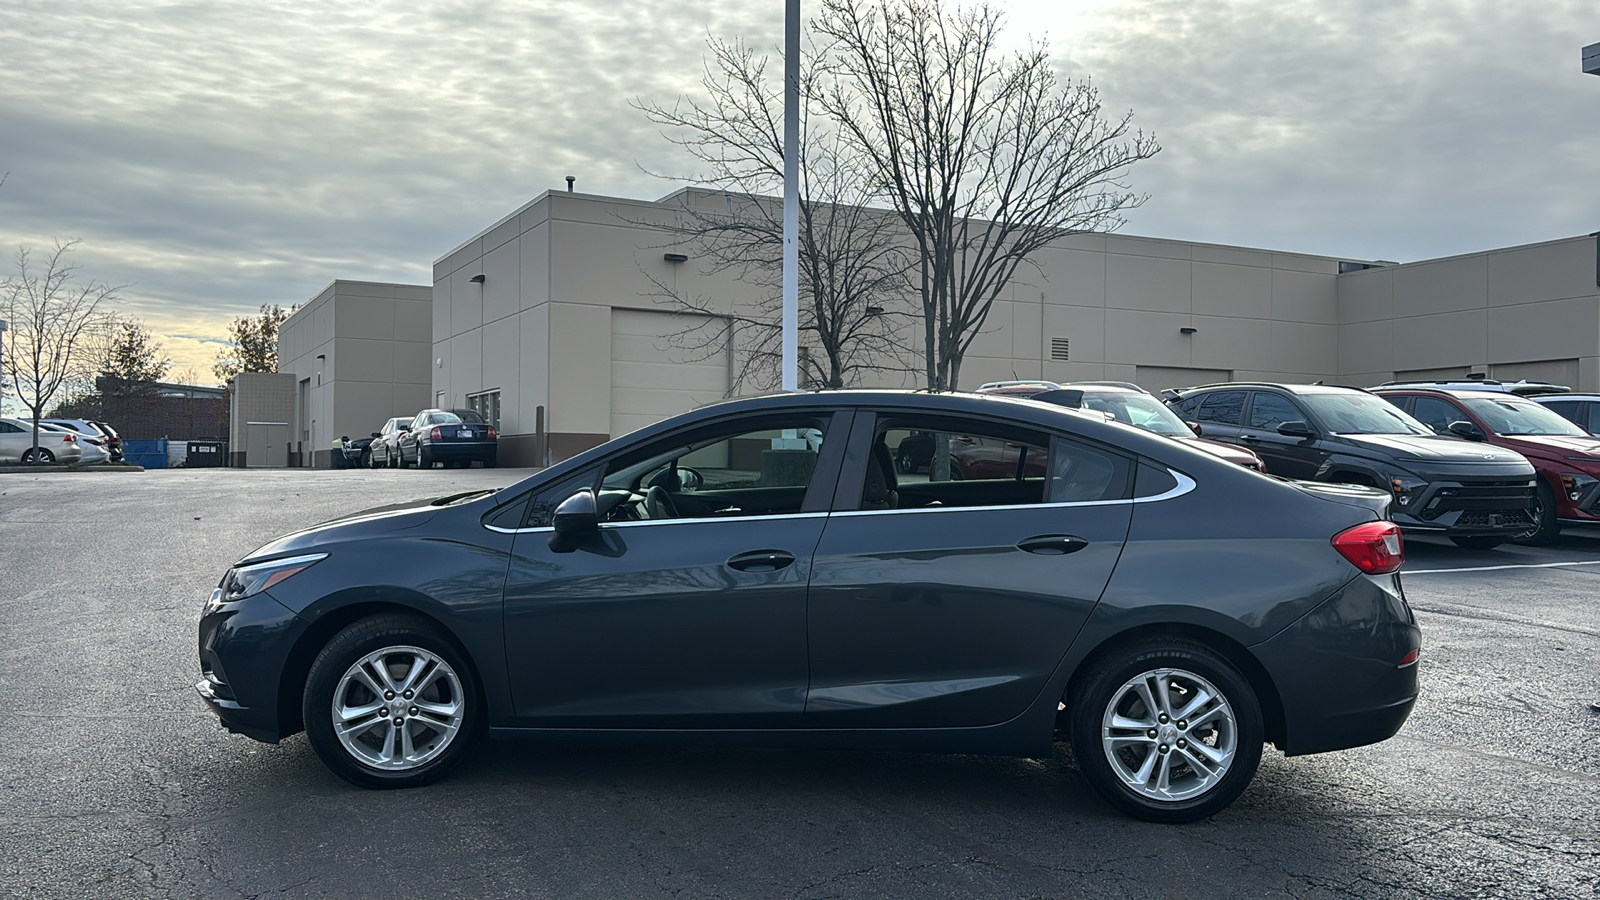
<point x="222" y="155"/>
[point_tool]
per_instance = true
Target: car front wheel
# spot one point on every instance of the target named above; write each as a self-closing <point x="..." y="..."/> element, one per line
<point x="1545" y="526"/>
<point x="1166" y="730"/>
<point x="389" y="703"/>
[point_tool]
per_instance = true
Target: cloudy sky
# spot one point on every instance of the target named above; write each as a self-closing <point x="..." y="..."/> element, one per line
<point x="221" y="155"/>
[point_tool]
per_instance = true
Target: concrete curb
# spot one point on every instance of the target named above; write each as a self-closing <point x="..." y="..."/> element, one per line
<point x="20" y="469"/>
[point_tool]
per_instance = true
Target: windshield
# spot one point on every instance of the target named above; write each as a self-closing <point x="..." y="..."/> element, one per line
<point x="1361" y="414"/>
<point x="1506" y="416"/>
<point x="1138" y="410"/>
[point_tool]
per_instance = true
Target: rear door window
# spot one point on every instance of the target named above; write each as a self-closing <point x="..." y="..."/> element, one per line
<point x="1222" y="408"/>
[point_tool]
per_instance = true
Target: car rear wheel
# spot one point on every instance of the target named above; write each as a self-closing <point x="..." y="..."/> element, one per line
<point x="1166" y="730"/>
<point x="45" y="456"/>
<point x="424" y="459"/>
<point x="1477" y="543"/>
<point x="389" y="703"/>
<point x="1545" y="529"/>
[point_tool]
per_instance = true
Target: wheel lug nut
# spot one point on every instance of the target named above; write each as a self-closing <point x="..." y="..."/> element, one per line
<point x="1183" y="723"/>
<point x="1163" y="748"/>
<point x="408" y="695"/>
<point x="398" y="721"/>
<point x="1152" y="732"/>
<point x="388" y="695"/>
<point x="413" y="710"/>
<point x="1163" y="719"/>
<point x="1182" y="743"/>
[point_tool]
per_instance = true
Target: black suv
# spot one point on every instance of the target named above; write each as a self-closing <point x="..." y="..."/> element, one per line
<point x="1477" y="495"/>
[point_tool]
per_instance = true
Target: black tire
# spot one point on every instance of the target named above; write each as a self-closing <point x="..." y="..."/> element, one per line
<point x="424" y="458"/>
<point x="1477" y="543"/>
<point x="1546" y="528"/>
<point x="401" y="636"/>
<point x="366" y="459"/>
<point x="489" y="463"/>
<point x="1107" y="681"/>
<point x="45" y="457"/>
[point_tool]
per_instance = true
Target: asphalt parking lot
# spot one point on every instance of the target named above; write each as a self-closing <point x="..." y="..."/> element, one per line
<point x="115" y="782"/>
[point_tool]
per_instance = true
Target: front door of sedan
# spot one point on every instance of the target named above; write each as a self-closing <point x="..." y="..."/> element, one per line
<point x="688" y="608"/>
<point x="941" y="603"/>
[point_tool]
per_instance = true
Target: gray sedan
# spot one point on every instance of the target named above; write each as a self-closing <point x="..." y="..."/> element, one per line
<point x="16" y="444"/>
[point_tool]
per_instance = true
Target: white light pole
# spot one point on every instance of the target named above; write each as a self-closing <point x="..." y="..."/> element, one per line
<point x="791" y="197"/>
<point x="2" y="365"/>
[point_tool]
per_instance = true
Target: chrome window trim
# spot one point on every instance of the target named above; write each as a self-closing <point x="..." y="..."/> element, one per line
<point x="1185" y="485"/>
<point x="684" y="521"/>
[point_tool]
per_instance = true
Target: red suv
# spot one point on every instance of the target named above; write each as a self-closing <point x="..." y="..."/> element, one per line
<point x="1566" y="457"/>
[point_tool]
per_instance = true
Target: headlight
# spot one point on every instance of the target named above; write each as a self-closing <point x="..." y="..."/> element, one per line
<point x="247" y="581"/>
<point x="1576" y="485"/>
<point x="1406" y="488"/>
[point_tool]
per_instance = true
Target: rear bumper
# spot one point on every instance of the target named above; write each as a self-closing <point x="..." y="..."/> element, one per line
<point x="451" y="450"/>
<point x="1338" y="669"/>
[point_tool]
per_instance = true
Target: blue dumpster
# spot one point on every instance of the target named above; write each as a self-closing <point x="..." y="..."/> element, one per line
<point x="150" y="454"/>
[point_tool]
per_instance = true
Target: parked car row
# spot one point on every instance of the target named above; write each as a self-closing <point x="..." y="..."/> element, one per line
<point x="68" y="441"/>
<point x="1480" y="462"/>
<point x="448" y="437"/>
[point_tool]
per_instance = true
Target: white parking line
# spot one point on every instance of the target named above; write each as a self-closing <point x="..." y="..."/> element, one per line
<point x="1554" y="565"/>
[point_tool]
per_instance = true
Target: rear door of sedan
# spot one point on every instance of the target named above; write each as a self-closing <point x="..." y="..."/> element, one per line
<point x="938" y="603"/>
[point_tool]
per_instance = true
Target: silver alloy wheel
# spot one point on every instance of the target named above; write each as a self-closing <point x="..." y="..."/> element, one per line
<point x="398" y="708"/>
<point x="1169" y="734"/>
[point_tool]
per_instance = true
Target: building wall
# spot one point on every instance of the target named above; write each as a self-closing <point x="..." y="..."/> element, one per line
<point x="1518" y="312"/>
<point x="374" y="341"/>
<point x="257" y="397"/>
<point x="540" y="328"/>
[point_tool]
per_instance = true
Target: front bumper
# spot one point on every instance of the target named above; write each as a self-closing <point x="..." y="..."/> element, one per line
<point x="1463" y="509"/>
<point x="1339" y="671"/>
<point x="243" y="647"/>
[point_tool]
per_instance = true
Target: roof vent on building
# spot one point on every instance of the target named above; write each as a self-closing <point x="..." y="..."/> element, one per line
<point x="570" y="180"/>
<point x="1060" y="349"/>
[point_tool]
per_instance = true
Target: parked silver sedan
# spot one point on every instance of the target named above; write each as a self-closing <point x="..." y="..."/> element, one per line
<point x="94" y="449"/>
<point x="16" y="444"/>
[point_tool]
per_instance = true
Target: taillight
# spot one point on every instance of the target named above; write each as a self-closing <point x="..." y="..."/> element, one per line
<point x="491" y="433"/>
<point x="434" y="434"/>
<point x="68" y="439"/>
<point x="1374" y="547"/>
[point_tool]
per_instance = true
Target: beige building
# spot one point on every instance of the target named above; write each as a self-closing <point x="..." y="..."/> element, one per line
<point x="260" y="415"/>
<point x="551" y="319"/>
<point x="359" y="355"/>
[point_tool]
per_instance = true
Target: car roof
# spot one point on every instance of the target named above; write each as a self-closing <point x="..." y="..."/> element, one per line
<point x="1458" y="393"/>
<point x="1521" y="388"/>
<point x="1254" y="385"/>
<point x="1557" y="398"/>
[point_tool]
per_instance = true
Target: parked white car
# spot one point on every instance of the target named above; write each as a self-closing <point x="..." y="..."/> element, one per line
<point x="94" y="448"/>
<point x="16" y="444"/>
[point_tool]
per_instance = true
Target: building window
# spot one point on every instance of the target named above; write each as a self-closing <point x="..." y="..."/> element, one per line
<point x="486" y="404"/>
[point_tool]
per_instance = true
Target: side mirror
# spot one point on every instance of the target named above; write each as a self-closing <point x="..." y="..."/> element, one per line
<point x="1467" y="430"/>
<point x="1296" y="428"/>
<point x="577" y="516"/>
<point x="1195" y="427"/>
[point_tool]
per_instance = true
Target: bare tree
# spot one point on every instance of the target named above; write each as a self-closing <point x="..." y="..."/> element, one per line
<point x="253" y="343"/>
<point x="854" y="263"/>
<point x="55" y="326"/>
<point x="986" y="157"/>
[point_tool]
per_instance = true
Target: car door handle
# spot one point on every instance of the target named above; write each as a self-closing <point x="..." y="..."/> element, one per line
<point x="761" y="561"/>
<point x="1053" y="544"/>
<point x="1250" y="439"/>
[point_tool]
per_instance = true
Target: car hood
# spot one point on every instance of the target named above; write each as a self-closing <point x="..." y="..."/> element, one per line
<point x="1440" y="449"/>
<point x="367" y="523"/>
<point x="1237" y="455"/>
<point x="1558" y="444"/>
